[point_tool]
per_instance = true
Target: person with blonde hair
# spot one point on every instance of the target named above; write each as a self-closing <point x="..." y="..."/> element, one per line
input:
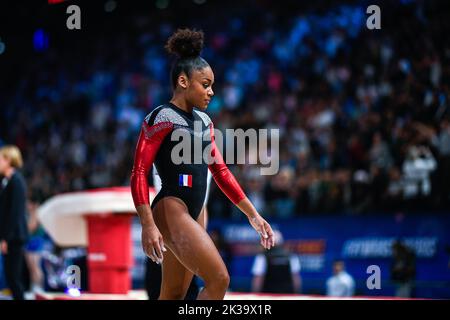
<point x="13" y="218"/>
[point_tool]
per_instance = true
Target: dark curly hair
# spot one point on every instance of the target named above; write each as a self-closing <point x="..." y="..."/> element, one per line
<point x="186" y="45"/>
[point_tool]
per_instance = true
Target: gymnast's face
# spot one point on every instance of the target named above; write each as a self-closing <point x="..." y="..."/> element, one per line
<point x="199" y="88"/>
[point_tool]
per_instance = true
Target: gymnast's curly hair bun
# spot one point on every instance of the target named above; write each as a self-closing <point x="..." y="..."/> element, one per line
<point x="185" y="43"/>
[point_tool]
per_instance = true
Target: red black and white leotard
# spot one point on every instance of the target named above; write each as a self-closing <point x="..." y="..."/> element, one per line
<point x="186" y="181"/>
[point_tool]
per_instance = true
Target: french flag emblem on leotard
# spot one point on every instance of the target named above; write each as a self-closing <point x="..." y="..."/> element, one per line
<point x="185" y="180"/>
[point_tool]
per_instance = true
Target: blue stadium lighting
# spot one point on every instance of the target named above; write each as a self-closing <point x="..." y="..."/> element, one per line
<point x="2" y="46"/>
<point x="40" y="40"/>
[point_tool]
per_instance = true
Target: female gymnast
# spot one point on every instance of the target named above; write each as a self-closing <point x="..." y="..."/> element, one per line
<point x="175" y="218"/>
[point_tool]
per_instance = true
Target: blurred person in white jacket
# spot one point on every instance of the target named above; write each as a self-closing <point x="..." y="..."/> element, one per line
<point x="417" y="168"/>
<point x="341" y="284"/>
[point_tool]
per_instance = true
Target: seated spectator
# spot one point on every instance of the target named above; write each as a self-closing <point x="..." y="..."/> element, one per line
<point x="278" y="193"/>
<point x="394" y="196"/>
<point x="416" y="176"/>
<point x="361" y="197"/>
<point x="380" y="154"/>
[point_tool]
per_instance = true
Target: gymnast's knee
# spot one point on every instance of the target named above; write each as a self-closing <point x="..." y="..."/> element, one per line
<point x="220" y="280"/>
<point x="174" y="293"/>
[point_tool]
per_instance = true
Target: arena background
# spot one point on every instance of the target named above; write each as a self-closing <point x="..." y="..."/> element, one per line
<point x="353" y="107"/>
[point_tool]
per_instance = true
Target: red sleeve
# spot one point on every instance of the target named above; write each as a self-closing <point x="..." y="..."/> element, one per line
<point x="222" y="175"/>
<point x="150" y="139"/>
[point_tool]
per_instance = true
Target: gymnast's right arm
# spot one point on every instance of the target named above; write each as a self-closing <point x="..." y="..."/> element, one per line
<point x="150" y="139"/>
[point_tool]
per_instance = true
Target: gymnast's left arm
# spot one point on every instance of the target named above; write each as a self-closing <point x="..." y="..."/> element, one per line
<point x="231" y="188"/>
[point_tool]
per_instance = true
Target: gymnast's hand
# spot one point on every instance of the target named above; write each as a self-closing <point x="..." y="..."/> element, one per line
<point x="152" y="242"/>
<point x="264" y="229"/>
<point x="258" y="223"/>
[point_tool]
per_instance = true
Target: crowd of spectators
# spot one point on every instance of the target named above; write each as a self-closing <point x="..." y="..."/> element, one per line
<point x="363" y="114"/>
